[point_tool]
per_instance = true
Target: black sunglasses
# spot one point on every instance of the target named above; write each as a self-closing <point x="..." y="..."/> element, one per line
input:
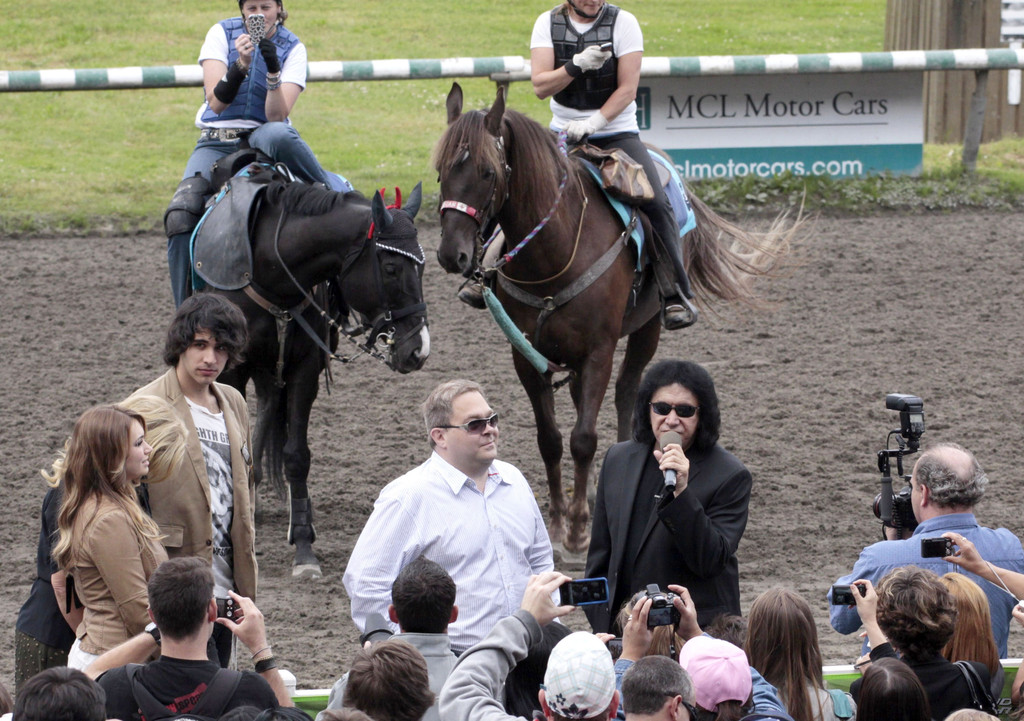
<point x="683" y="410"/>
<point x="477" y="425"/>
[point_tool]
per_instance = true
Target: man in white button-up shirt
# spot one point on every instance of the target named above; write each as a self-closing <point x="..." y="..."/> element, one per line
<point x="474" y="515"/>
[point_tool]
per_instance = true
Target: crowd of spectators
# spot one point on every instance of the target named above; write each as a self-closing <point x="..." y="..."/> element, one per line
<point x="452" y="582"/>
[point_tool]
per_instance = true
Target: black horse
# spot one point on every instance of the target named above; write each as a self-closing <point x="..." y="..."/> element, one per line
<point x="318" y="257"/>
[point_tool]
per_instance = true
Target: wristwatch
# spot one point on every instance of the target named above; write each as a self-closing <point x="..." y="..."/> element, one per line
<point x="153" y="631"/>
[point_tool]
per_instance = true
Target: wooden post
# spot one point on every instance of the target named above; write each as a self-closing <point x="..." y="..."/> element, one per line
<point x="975" y="121"/>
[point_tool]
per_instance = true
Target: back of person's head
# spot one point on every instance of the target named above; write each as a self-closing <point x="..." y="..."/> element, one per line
<point x="891" y="691"/>
<point x="579" y="682"/>
<point x="523" y="681"/>
<point x="972" y="635"/>
<point x="782" y="643"/>
<point x="695" y="379"/>
<point x="439" y="404"/>
<point x="180" y="591"/>
<point x="344" y="714"/>
<point x="389" y="681"/>
<point x="915" y="612"/>
<point x="423" y="595"/>
<point x="664" y="641"/>
<point x="60" y="694"/>
<point x="282" y="713"/>
<point x="952" y="474"/>
<point x="241" y="713"/>
<point x="652" y="682"/>
<point x="971" y="714"/>
<point x="720" y="674"/>
<point x="165" y="432"/>
<point x="6" y="702"/>
<point x="729" y="627"/>
<point x="214" y="314"/>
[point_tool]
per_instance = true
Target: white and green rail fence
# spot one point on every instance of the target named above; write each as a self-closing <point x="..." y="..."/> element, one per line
<point x="744" y="108"/>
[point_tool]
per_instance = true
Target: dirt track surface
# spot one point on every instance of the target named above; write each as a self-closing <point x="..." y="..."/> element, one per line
<point x="922" y="304"/>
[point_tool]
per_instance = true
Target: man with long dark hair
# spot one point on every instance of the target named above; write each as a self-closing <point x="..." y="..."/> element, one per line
<point x="206" y="510"/>
<point x="670" y="510"/>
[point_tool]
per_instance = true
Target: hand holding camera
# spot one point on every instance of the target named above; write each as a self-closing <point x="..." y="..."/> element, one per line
<point x="537" y="597"/>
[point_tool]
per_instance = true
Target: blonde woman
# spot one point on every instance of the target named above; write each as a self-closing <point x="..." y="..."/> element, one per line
<point x="972" y="636"/>
<point x="106" y="543"/>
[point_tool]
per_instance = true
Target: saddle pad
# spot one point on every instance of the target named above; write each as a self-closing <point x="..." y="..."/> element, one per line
<point x="677" y="197"/>
<point x="221" y="248"/>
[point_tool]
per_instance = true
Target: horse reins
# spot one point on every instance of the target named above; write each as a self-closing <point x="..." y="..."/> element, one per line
<point x="376" y="335"/>
<point x="478" y="215"/>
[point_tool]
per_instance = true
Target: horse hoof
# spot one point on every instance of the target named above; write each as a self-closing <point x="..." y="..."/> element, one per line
<point x="577" y="542"/>
<point x="307" y="571"/>
<point x="556" y="531"/>
<point x="571" y="560"/>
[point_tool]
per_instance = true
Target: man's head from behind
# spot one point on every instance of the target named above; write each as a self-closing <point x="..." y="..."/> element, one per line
<point x="580" y="680"/>
<point x="389" y="682"/>
<point x="946" y="479"/>
<point x="60" y="694"/>
<point x="423" y="598"/>
<point x="180" y="591"/>
<point x="214" y="314"/>
<point x="658" y="687"/>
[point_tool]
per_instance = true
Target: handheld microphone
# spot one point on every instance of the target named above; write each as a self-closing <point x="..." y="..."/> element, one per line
<point x="666" y="439"/>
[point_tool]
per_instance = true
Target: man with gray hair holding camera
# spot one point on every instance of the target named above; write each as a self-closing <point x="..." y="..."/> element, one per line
<point x="946" y="484"/>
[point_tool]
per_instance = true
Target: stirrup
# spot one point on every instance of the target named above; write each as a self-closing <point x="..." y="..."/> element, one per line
<point x="472" y="293"/>
<point x="678" y="312"/>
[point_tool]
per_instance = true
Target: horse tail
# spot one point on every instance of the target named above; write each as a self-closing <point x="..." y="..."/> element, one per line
<point x="269" y="438"/>
<point x="723" y="260"/>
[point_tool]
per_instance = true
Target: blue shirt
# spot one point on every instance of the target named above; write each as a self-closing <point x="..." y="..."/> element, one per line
<point x="998" y="546"/>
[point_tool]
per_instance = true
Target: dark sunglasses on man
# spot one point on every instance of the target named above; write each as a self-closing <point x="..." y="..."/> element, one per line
<point x="477" y="425"/>
<point x="683" y="410"/>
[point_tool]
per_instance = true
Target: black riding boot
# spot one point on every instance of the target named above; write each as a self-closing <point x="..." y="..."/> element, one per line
<point x="677" y="310"/>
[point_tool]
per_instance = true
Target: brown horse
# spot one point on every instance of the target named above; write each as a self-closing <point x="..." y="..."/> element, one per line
<point x="499" y="165"/>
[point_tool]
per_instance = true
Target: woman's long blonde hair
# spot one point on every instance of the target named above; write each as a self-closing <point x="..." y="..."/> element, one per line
<point x="972" y="635"/>
<point x="91" y="469"/>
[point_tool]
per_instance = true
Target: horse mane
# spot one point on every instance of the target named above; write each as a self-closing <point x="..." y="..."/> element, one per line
<point x="536" y="159"/>
<point x="531" y="149"/>
<point x="303" y="199"/>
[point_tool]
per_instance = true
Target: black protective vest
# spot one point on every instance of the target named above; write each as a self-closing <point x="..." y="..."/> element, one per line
<point x="590" y="90"/>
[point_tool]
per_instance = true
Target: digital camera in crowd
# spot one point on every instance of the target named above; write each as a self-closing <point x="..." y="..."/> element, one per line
<point x="663" y="612"/>
<point x="894" y="508"/>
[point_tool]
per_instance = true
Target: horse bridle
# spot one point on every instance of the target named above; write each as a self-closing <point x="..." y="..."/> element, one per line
<point x="478" y="215"/>
<point x="380" y="340"/>
<point x="484" y="215"/>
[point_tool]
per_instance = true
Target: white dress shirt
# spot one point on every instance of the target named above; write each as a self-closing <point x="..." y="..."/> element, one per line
<point x="490" y="543"/>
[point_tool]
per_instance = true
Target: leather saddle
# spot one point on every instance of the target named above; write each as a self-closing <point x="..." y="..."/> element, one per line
<point x="222" y="240"/>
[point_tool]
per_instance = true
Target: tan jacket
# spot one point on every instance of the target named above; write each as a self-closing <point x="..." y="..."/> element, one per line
<point x="111" y="574"/>
<point x="181" y="504"/>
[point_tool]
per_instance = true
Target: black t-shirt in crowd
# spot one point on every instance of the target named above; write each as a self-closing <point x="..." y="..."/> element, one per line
<point x="178" y="684"/>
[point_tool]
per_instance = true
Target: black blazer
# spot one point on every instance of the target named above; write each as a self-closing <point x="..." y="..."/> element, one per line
<point x="692" y="542"/>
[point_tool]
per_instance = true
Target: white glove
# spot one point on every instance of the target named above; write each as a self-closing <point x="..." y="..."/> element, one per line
<point x="592" y="58"/>
<point x="577" y="130"/>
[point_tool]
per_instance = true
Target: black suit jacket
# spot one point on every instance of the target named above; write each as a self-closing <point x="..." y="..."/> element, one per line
<point x="691" y="541"/>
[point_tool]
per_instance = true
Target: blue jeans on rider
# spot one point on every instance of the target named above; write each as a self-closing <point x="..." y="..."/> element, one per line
<point x="276" y="140"/>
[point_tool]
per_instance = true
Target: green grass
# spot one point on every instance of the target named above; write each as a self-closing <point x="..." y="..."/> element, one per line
<point x="83" y="161"/>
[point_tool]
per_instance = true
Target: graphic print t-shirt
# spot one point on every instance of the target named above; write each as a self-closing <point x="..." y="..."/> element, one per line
<point x="213" y="437"/>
